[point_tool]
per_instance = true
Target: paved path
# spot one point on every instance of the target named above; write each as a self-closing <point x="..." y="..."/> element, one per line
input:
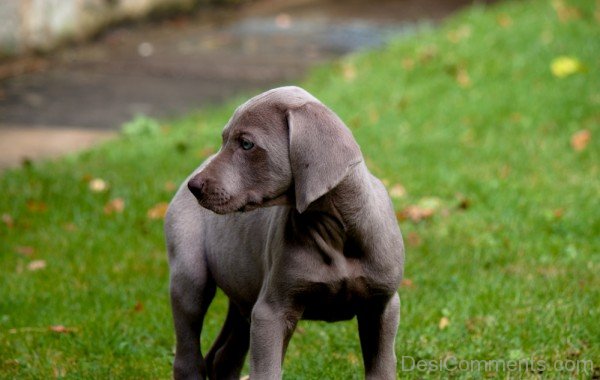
<point x="83" y="94"/>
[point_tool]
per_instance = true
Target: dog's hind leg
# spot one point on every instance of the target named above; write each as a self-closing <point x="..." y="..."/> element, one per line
<point x="226" y="357"/>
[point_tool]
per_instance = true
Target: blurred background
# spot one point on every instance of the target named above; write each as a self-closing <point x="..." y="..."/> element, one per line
<point x="482" y="121"/>
<point x="73" y="71"/>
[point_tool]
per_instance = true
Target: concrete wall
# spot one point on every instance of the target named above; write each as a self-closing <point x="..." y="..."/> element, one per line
<point x="42" y="24"/>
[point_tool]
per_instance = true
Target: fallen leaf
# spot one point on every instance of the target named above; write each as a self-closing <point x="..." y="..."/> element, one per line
<point x="504" y="20"/>
<point x="98" y="185"/>
<point x="348" y="72"/>
<point x="413" y="238"/>
<point x="36" y="206"/>
<point x="59" y="372"/>
<point x="70" y="227"/>
<point x="158" y="211"/>
<point x="116" y="205"/>
<point x="408" y="64"/>
<point x="462" y="78"/>
<point x="581" y="139"/>
<point x="353" y="358"/>
<point x="8" y="220"/>
<point x="25" y="250"/>
<point x="428" y="53"/>
<point x="463" y="202"/>
<point x="424" y="209"/>
<point x="565" y="66"/>
<point x="36" y="265"/>
<point x="373" y="115"/>
<point x="461" y="33"/>
<point x="397" y="191"/>
<point x="62" y="329"/>
<point x="415" y="213"/>
<point x="407" y="283"/>
<point x="565" y="12"/>
<point x="444" y="323"/>
<point x="170" y="186"/>
<point x="139" y="306"/>
<point x="432" y="203"/>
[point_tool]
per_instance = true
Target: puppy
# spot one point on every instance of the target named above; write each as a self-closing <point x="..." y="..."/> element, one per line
<point x="288" y="222"/>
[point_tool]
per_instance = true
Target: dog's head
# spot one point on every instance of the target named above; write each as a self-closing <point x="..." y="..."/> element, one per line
<point x="280" y="147"/>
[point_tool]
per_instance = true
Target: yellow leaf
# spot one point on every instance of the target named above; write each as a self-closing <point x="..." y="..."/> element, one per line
<point x="397" y="191"/>
<point x="463" y="32"/>
<point x="353" y="359"/>
<point x="158" y="211"/>
<point x="98" y="185"/>
<point x="462" y="78"/>
<point x="373" y="115"/>
<point x="348" y="72"/>
<point x="444" y="322"/>
<point x="564" y="66"/>
<point x="36" y="265"/>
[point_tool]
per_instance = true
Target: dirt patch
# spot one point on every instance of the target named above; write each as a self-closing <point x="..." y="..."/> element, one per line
<point x="18" y="144"/>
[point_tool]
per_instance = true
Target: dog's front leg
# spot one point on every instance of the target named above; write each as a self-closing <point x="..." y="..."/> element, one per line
<point x="377" y="327"/>
<point x="271" y="328"/>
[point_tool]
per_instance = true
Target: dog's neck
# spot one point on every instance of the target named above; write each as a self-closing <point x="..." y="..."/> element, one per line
<point x="353" y="198"/>
<point x="357" y="204"/>
<point x="353" y="221"/>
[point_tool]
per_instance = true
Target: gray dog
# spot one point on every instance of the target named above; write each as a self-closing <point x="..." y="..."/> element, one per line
<point x="328" y="249"/>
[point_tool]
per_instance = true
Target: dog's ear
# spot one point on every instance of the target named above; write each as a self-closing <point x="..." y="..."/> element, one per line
<point x="322" y="150"/>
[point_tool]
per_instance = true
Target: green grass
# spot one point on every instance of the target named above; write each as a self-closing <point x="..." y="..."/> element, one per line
<point x="468" y="113"/>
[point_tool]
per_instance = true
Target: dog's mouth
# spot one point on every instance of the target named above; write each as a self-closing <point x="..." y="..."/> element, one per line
<point x="230" y="205"/>
<point x="227" y="204"/>
<point x="268" y="201"/>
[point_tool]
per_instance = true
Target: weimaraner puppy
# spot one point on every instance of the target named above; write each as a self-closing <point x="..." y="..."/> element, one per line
<point x="289" y="223"/>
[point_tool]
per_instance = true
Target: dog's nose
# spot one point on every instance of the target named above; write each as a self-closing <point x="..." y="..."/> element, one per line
<point x="196" y="185"/>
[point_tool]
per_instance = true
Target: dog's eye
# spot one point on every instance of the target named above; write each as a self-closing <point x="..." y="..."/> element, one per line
<point x="247" y="145"/>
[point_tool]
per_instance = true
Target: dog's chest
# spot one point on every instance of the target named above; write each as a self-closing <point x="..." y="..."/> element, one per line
<point x="337" y="286"/>
<point x="334" y="301"/>
<point x="333" y="276"/>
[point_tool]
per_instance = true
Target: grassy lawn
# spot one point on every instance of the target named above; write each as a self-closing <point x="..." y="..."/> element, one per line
<point x="494" y="163"/>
